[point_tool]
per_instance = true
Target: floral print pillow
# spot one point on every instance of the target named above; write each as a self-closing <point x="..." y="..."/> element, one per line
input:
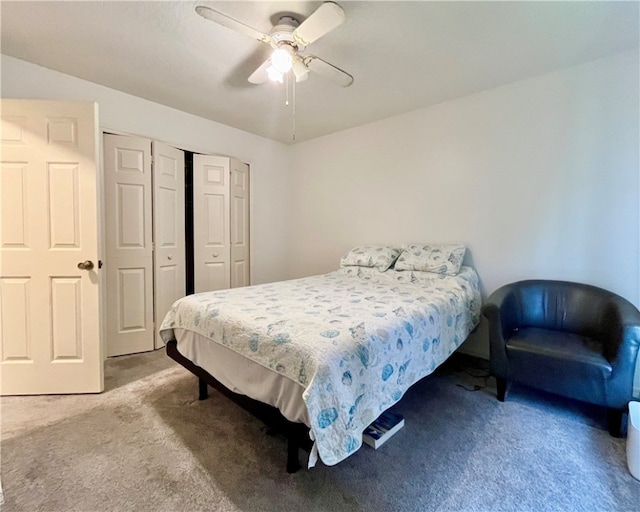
<point x="439" y="259"/>
<point x="378" y="256"/>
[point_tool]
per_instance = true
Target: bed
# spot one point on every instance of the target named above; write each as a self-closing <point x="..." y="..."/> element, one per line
<point x="330" y="352"/>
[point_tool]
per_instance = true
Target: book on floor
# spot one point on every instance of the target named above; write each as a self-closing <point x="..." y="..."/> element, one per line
<point x="387" y="424"/>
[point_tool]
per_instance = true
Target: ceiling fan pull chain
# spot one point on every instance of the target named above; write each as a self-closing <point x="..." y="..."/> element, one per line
<point x="286" y="89"/>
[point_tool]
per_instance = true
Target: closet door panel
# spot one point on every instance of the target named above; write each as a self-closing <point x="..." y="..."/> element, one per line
<point x="211" y="235"/>
<point x="169" y="236"/>
<point x="129" y="251"/>
<point x="239" y="191"/>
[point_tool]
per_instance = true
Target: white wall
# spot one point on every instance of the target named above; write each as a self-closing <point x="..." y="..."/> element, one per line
<point x="540" y="179"/>
<point x="122" y="112"/>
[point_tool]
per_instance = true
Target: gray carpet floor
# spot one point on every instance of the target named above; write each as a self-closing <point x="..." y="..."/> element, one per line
<point x="148" y="444"/>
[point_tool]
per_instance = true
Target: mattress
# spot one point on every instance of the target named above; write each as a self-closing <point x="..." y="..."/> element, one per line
<point x="353" y="340"/>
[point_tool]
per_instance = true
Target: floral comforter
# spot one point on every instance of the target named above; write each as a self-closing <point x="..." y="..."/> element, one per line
<point x="356" y="339"/>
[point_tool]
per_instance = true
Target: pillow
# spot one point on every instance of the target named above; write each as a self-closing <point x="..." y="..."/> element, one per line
<point x="365" y="273"/>
<point x="439" y="259"/>
<point x="378" y="256"/>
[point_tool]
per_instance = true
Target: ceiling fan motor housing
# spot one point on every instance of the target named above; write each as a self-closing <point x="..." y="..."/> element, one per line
<point x="282" y="32"/>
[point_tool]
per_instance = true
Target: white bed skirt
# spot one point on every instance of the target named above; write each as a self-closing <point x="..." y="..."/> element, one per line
<point x="244" y="376"/>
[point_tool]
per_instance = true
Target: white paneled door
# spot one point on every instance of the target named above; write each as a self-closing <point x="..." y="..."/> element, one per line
<point x="239" y="198"/>
<point x="168" y="228"/>
<point x="220" y="223"/>
<point x="49" y="282"/>
<point x="211" y="224"/>
<point x="129" y="261"/>
<point x="145" y="239"/>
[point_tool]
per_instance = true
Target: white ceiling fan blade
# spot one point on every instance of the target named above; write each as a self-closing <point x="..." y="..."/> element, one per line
<point x="322" y="67"/>
<point x="260" y="75"/>
<point x="233" y="24"/>
<point x="323" y="20"/>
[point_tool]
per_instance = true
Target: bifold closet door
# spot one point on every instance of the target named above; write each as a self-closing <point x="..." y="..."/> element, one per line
<point x="220" y="223"/>
<point x="211" y="233"/>
<point x="168" y="229"/>
<point x="129" y="261"/>
<point x="145" y="239"/>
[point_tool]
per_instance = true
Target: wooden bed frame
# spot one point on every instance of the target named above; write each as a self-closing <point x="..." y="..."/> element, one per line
<point x="297" y="434"/>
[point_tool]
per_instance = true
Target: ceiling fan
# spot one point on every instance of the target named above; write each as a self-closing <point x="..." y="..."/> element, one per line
<point x="289" y="38"/>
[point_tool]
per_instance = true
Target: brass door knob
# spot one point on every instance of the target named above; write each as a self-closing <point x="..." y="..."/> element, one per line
<point x="85" y="265"/>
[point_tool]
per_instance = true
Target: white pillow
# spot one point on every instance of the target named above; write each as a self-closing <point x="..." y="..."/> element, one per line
<point x="439" y="259"/>
<point x="378" y="256"/>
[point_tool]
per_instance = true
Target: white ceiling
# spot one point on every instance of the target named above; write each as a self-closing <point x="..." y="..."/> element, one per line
<point x="403" y="55"/>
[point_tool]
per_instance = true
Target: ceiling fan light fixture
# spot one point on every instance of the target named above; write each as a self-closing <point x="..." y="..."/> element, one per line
<point x="300" y="71"/>
<point x="274" y="74"/>
<point x="281" y="60"/>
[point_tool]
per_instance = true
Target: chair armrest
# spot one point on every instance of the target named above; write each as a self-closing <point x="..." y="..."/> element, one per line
<point x="502" y="310"/>
<point x="620" y="324"/>
<point x="620" y="327"/>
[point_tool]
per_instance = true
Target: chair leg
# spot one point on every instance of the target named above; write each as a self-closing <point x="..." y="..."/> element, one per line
<point x="501" y="385"/>
<point x="616" y="417"/>
<point x="293" y="463"/>
<point x="203" y="392"/>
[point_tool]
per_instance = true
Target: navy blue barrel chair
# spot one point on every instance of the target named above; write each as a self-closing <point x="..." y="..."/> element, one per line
<point x="571" y="339"/>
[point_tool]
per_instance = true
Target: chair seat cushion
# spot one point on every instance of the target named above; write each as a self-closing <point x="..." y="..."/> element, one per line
<point x="559" y="362"/>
